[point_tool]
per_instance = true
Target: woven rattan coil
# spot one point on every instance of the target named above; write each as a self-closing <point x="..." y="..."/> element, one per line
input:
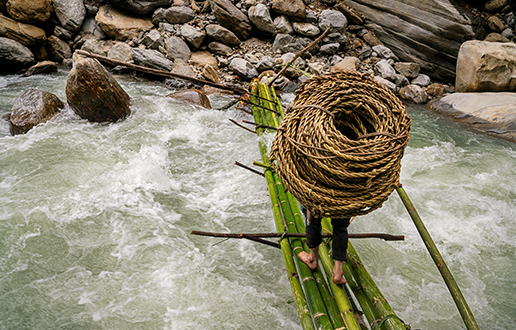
<point x="339" y="148"/>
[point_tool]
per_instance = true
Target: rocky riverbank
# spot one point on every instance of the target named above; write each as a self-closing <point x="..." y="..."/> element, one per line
<point x="410" y="48"/>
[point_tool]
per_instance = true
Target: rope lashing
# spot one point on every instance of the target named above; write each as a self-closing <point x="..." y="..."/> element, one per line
<point x="339" y="148"/>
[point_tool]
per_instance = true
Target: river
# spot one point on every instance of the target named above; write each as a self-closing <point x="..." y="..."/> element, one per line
<point x="95" y="222"/>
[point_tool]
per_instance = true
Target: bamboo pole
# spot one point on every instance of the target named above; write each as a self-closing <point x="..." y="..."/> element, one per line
<point x="313" y="295"/>
<point x="300" y="300"/>
<point x="458" y="298"/>
<point x="301" y="52"/>
<point x="359" y="293"/>
<point x="160" y="72"/>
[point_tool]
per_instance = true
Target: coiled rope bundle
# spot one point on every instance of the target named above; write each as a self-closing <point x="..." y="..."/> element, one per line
<point x="339" y="148"/>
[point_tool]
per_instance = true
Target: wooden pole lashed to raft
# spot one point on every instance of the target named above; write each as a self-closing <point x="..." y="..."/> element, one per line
<point x="458" y="298"/>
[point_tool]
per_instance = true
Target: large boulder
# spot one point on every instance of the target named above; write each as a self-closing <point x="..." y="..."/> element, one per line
<point x="428" y="33"/>
<point x="14" y="56"/>
<point x="152" y="59"/>
<point x="29" y="11"/>
<point x="25" y="34"/>
<point x="141" y="7"/>
<point x="31" y="108"/>
<point x="486" y="67"/>
<point x="231" y="18"/>
<point x="119" y="25"/>
<point x="492" y="113"/>
<point x="94" y="94"/>
<point x="192" y="96"/>
<point x="70" y="13"/>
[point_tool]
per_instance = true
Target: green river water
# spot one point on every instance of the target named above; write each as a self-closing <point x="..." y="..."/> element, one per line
<point x="95" y="222"/>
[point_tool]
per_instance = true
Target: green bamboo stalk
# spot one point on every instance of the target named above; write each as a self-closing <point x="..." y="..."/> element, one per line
<point x="458" y="298"/>
<point x="315" y="300"/>
<point x="387" y="316"/>
<point x="365" y="303"/>
<point x="329" y="301"/>
<point x="295" y="284"/>
<point x="314" y="297"/>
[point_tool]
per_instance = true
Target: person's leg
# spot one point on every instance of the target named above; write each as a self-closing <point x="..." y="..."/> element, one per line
<point x="313" y="239"/>
<point x="339" y="248"/>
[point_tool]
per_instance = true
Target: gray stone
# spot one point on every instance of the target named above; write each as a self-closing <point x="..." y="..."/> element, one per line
<point x="70" y="13"/>
<point x="58" y="49"/>
<point x="63" y="33"/>
<point x="421" y="80"/>
<point x="385" y="52"/>
<point x="152" y="59"/>
<point x="194" y="37"/>
<point x="266" y="63"/>
<point x="283" y="25"/>
<point x="141" y="7"/>
<point x="158" y="16"/>
<point x="121" y="52"/>
<point x="508" y="33"/>
<point x="90" y="26"/>
<point x="428" y="33"/>
<point x="400" y="80"/>
<point x="153" y="40"/>
<point x="510" y="19"/>
<point x="31" y="108"/>
<point x="243" y="69"/>
<point x="231" y="18"/>
<point x="407" y="69"/>
<point x="261" y="18"/>
<point x="414" y="93"/>
<point x="177" y="48"/>
<point x="492" y="113"/>
<point x="385" y="70"/>
<point x="330" y="49"/>
<point x="97" y="46"/>
<point x="386" y="83"/>
<point x="218" y="48"/>
<point x="179" y="15"/>
<point x="364" y="52"/>
<point x="281" y="40"/>
<point x="306" y="29"/>
<point x="222" y="34"/>
<point x="334" y="17"/>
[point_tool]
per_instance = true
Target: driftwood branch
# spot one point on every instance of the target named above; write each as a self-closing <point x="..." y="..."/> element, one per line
<point x="161" y="72"/>
<point x="386" y="237"/>
<point x="301" y="52"/>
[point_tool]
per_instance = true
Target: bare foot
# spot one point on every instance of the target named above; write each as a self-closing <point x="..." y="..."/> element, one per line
<point x="339" y="279"/>
<point x="308" y="259"/>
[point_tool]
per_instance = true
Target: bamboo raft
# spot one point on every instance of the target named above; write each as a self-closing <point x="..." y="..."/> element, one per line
<point x="321" y="304"/>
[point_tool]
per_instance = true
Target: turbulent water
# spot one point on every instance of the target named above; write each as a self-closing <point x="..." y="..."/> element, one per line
<point x="95" y="222"/>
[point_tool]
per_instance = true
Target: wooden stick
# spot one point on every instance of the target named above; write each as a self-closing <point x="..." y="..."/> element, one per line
<point x="301" y="52"/>
<point x="386" y="237"/>
<point x="160" y="72"/>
